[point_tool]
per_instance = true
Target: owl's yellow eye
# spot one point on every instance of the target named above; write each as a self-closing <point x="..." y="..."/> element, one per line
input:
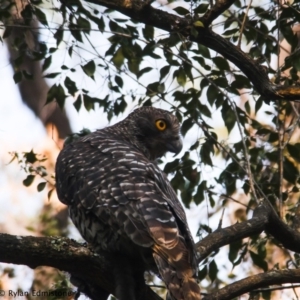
<point x="160" y="125"/>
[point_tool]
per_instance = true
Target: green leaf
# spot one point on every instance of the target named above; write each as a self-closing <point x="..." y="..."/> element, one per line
<point x="47" y="63"/>
<point x="30" y="157"/>
<point x="41" y="16"/>
<point x="84" y="24"/>
<point x="258" y="104"/>
<point x="240" y="82"/>
<point x="182" y="11"/>
<point x="212" y="93"/>
<point x="7" y="32"/>
<point x="164" y="71"/>
<point x="201" y="9"/>
<point x="71" y="86"/>
<point x="186" y="196"/>
<point x="221" y="82"/>
<point x="290" y="172"/>
<point x="199" y="196"/>
<point x="70" y="51"/>
<point x="52" y="49"/>
<point x="134" y="65"/>
<point x="143" y="71"/>
<point x="78" y="102"/>
<point x="231" y="32"/>
<point x="119" y="81"/>
<point x="101" y="24"/>
<point x="161" y="88"/>
<point x="186" y="126"/>
<point x="204" y="51"/>
<point x="88" y="102"/>
<point x="58" y="35"/>
<point x="234" y="249"/>
<point x="202" y="273"/>
<point x="149" y="50"/>
<point x="272" y="156"/>
<point x="113" y="26"/>
<point x="41" y="186"/>
<point x="294" y="151"/>
<point x="213" y="271"/>
<point x="221" y="63"/>
<point x="28" y="181"/>
<point x="18" y="77"/>
<point x="56" y="92"/>
<point x="247" y="107"/>
<point x="75" y="32"/>
<point x="89" y="69"/>
<point x="171" y="167"/>
<point x="118" y="58"/>
<point x="152" y="89"/>
<point x="148" y="32"/>
<point x="26" y="13"/>
<point x="188" y="71"/>
<point x="177" y="181"/>
<point x="52" y="75"/>
<point x="180" y="76"/>
<point x="198" y="24"/>
<point x="259" y="261"/>
<point x="206" y="150"/>
<point x="228" y="116"/>
<point x="120" y="106"/>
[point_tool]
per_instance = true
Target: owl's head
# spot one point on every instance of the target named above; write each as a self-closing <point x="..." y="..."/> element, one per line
<point x="157" y="130"/>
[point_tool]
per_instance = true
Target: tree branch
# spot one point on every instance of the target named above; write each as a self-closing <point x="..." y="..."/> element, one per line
<point x="92" y="270"/>
<point x="236" y="232"/>
<point x="143" y="12"/>
<point x="264" y="219"/>
<point x="253" y="282"/>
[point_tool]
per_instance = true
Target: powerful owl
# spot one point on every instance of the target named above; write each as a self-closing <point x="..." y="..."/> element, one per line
<point x="124" y="205"/>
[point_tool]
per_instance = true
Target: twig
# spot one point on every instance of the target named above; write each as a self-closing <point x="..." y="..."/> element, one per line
<point x="246" y="154"/>
<point x="234" y="200"/>
<point x="221" y="219"/>
<point x="243" y="24"/>
<point x="276" y="288"/>
<point x="280" y="128"/>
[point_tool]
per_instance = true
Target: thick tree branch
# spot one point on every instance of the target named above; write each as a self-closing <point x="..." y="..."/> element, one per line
<point x="143" y="12"/>
<point x="236" y="232"/>
<point x="91" y="270"/>
<point x="253" y="282"/>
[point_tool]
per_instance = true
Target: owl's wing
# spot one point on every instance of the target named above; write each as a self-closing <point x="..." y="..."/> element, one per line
<point x="113" y="181"/>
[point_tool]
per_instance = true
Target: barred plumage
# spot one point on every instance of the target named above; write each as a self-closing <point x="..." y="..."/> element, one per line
<point x="122" y="203"/>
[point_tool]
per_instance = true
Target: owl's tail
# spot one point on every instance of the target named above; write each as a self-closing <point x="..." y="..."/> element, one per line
<point x="181" y="284"/>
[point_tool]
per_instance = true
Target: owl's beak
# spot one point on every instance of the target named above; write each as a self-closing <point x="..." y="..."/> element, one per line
<point x="175" y="146"/>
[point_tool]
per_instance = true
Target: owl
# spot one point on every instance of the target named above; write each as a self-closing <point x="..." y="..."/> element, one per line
<point x="123" y="204"/>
